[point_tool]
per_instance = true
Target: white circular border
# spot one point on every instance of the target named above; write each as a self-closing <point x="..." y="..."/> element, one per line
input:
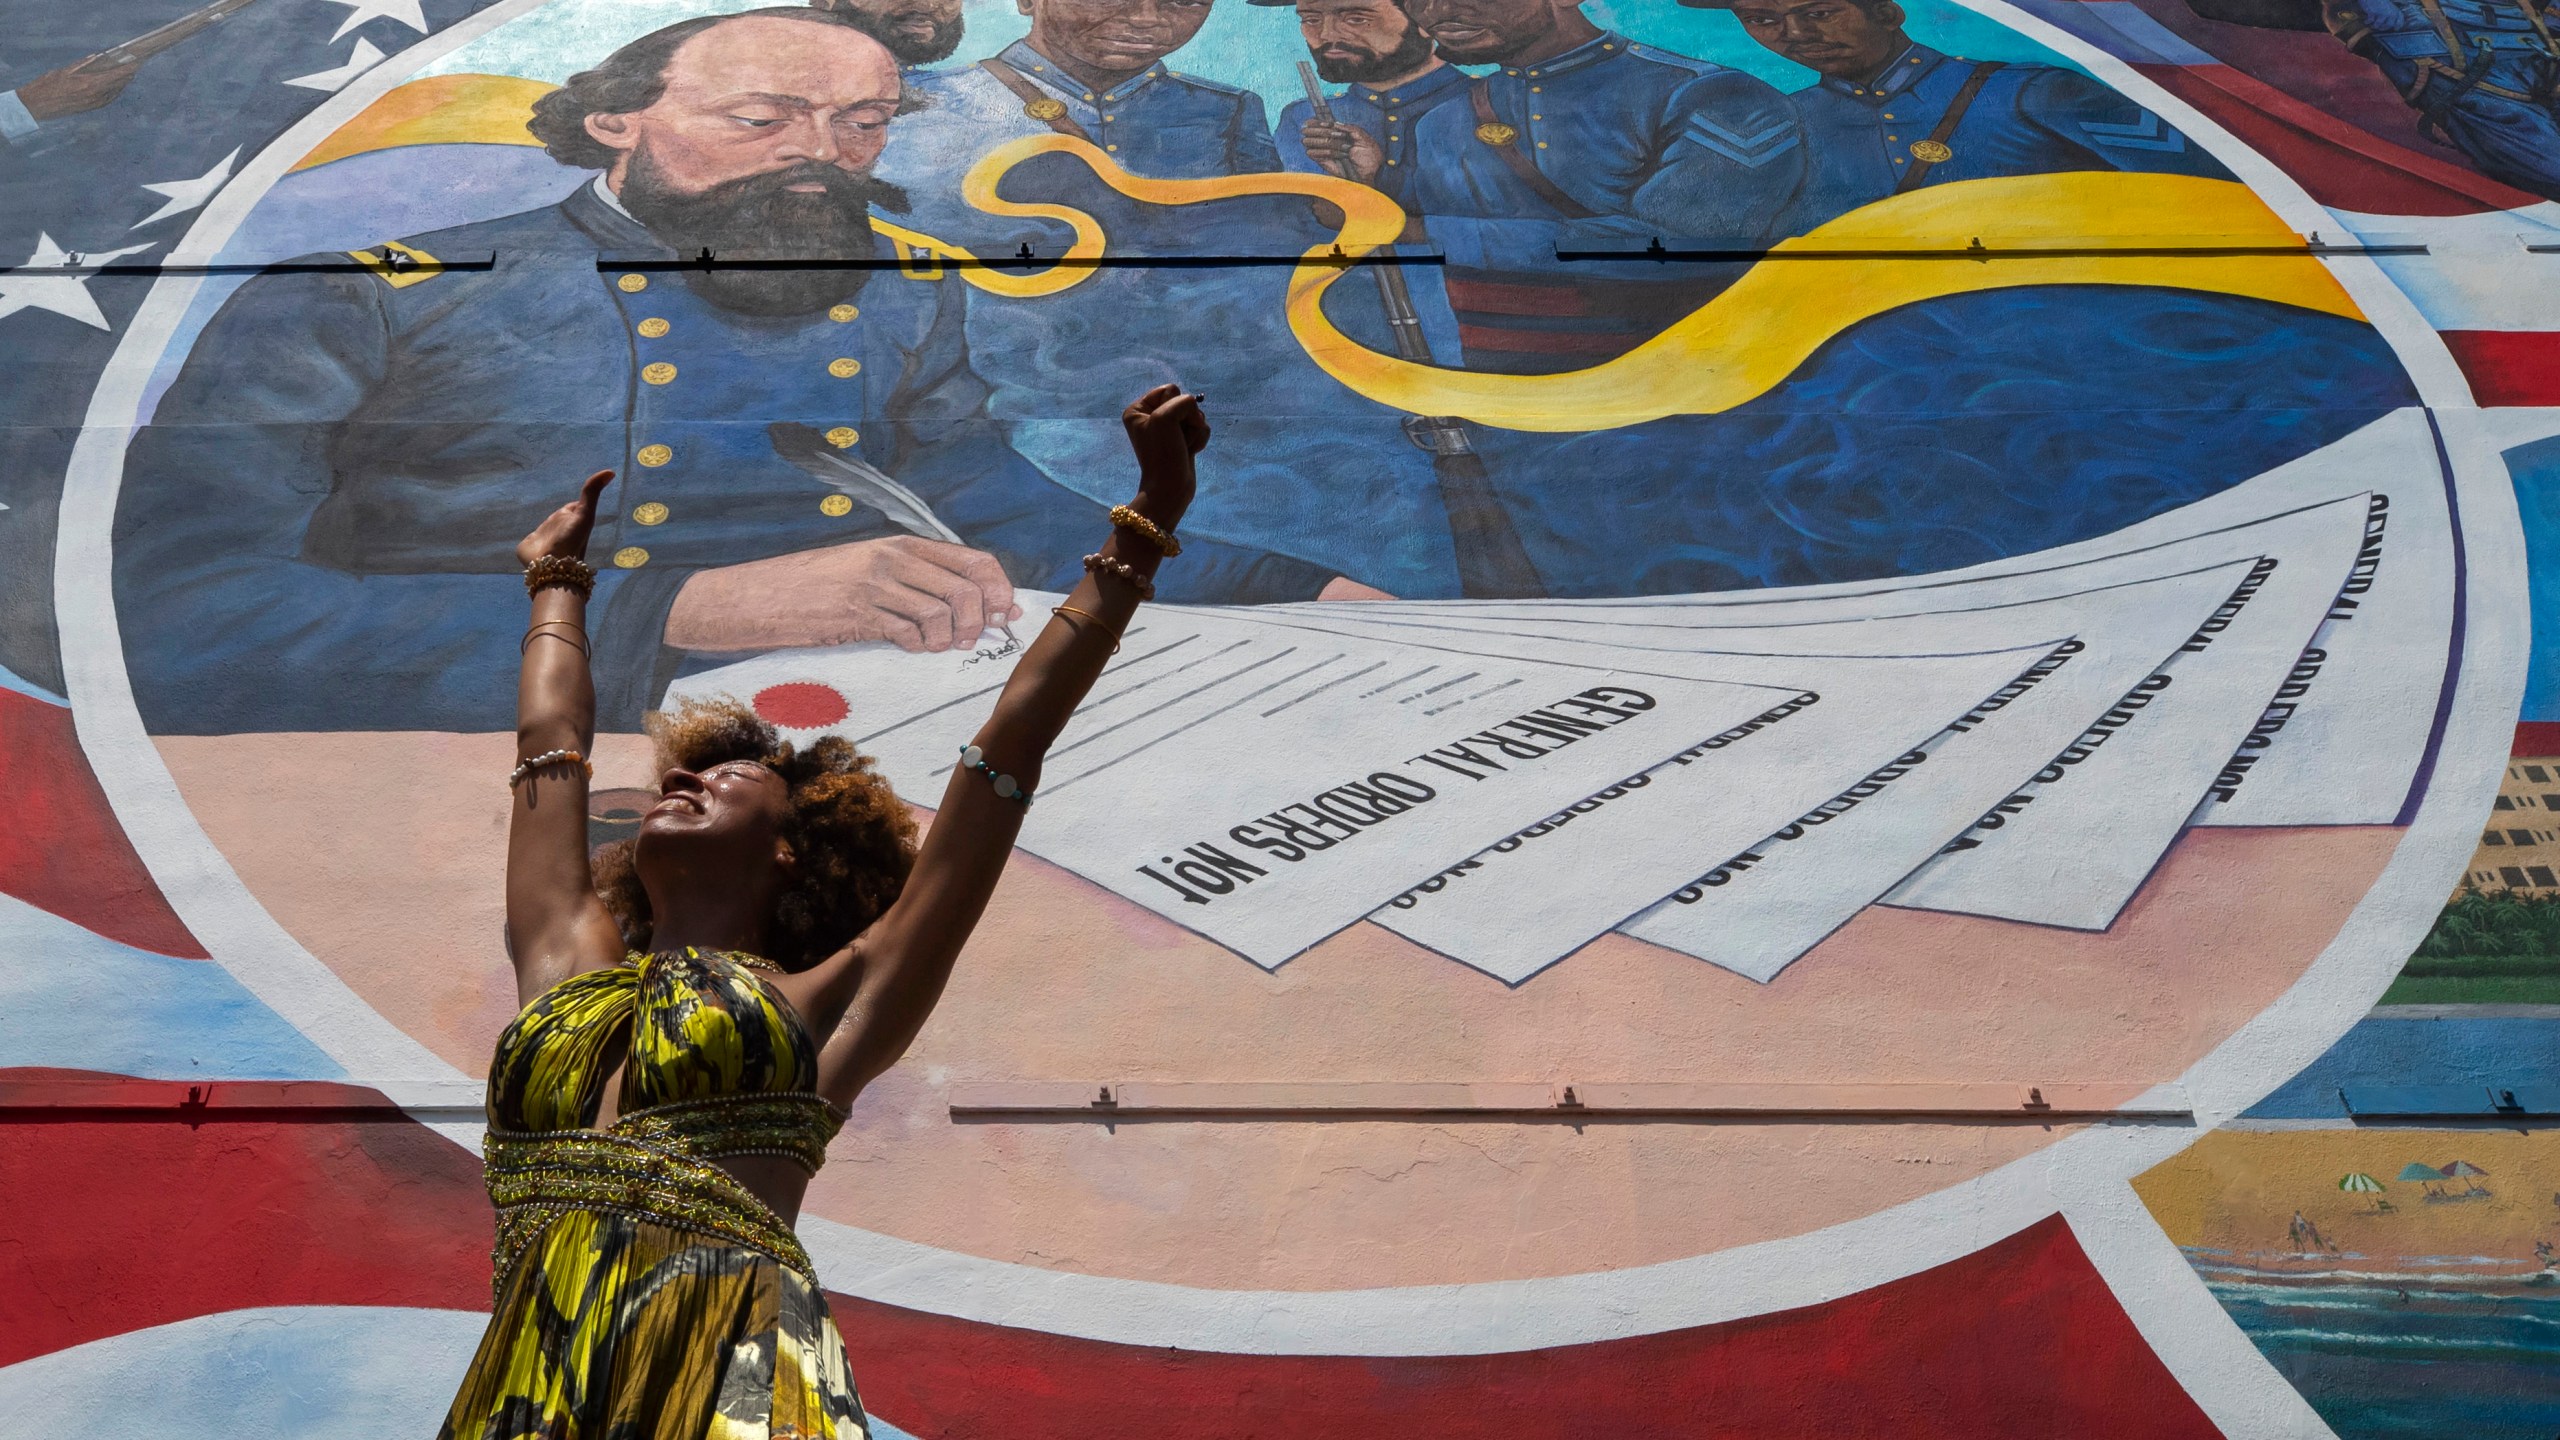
<point x="2083" y="1176"/>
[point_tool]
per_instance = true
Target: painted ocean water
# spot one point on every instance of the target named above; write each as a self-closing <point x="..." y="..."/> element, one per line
<point x="2452" y="1345"/>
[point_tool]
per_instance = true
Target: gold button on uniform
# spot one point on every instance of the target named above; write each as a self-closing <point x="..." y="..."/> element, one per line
<point x="842" y="313"/>
<point x="843" y="436"/>
<point x="633" y="284"/>
<point x="652" y="513"/>
<point x="844" y="369"/>
<point x="653" y="327"/>
<point x="630" y="557"/>
<point x="658" y="373"/>
<point x="654" y="456"/>
<point x="836" y="505"/>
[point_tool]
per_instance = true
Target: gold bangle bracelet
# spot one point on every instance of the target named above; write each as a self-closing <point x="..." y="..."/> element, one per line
<point x="546" y="627"/>
<point x="1127" y="518"/>
<point x="1096" y="619"/>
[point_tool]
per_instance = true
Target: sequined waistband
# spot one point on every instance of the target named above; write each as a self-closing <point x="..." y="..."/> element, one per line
<point x="535" y="1178"/>
<point x="795" y="1125"/>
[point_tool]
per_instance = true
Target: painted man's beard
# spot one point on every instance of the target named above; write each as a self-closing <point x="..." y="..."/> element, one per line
<point x="758" y="217"/>
<point x="1407" y="57"/>
<point x="903" y="45"/>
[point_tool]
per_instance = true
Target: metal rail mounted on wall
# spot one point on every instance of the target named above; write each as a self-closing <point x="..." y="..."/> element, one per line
<point x="54" y="1100"/>
<point x="1657" y="251"/>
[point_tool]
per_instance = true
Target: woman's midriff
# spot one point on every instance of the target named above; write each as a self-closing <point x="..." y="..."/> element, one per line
<point x="773" y="1179"/>
<point x="778" y="1182"/>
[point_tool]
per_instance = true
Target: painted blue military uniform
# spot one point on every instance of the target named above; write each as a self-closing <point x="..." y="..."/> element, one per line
<point x="1877" y="456"/>
<point x="1628" y="144"/>
<point x="2480" y="73"/>
<point x="1650" y="143"/>
<point x="2022" y="119"/>
<point x="317" y="530"/>
<point x="1158" y="123"/>
<point x="1343" y="486"/>
<point x="1390" y="115"/>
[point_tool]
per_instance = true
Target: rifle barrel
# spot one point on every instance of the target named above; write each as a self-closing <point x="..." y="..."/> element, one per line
<point x="160" y="37"/>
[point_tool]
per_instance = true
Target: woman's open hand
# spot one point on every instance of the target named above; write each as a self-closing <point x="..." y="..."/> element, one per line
<point x="1166" y="429"/>
<point x="565" y="530"/>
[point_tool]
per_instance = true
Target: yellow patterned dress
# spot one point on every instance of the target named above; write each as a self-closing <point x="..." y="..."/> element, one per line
<point x="643" y="1293"/>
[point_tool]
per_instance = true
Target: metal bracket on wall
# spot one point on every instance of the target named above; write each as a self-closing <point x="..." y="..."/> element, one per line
<point x="1024" y="259"/>
<point x="1973" y="247"/>
<point x="200" y="1102"/>
<point x="392" y="261"/>
<point x="2451" y="1104"/>
<point x="1576" y="1103"/>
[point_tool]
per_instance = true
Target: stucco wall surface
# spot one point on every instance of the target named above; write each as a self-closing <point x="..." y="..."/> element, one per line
<point x="1847" y="746"/>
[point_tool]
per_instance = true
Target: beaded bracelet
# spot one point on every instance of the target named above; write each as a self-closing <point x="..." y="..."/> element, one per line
<point x="1098" y="563"/>
<point x="545" y="761"/>
<point x="566" y="570"/>
<point x="973" y="758"/>
<point x="1127" y="518"/>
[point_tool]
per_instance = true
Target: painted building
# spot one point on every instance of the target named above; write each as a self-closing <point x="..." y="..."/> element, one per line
<point x="1800" y="780"/>
<point x="2510" y="856"/>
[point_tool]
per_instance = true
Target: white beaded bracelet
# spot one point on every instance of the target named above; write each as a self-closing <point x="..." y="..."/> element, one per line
<point x="973" y="758"/>
<point x="547" y="759"/>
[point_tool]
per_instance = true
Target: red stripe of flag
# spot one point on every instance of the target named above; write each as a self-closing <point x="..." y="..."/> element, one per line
<point x="2508" y="367"/>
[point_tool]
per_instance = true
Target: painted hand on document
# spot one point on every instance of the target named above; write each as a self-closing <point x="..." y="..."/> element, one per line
<point x="917" y="594"/>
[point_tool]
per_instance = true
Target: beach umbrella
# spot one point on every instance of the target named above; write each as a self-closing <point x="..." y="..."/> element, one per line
<point x="2415" y="1171"/>
<point x="2356" y="1182"/>
<point x="2463" y="1170"/>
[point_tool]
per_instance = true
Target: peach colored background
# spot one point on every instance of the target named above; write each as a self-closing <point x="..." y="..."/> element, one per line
<point x="388" y="870"/>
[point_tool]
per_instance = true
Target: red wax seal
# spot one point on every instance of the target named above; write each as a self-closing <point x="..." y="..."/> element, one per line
<point x="802" y="705"/>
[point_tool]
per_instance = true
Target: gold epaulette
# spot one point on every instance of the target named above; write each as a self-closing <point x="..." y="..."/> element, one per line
<point x="398" y="265"/>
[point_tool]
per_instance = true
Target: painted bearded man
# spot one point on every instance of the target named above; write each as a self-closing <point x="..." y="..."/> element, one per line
<point x="317" y="531"/>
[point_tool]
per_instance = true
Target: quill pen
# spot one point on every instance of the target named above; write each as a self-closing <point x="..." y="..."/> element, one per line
<point x="864" y="483"/>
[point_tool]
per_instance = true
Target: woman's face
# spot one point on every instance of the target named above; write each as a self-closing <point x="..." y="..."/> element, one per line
<point x="728" y="816"/>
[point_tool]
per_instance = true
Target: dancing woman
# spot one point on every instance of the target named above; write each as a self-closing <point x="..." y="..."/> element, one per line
<point x="703" y="1002"/>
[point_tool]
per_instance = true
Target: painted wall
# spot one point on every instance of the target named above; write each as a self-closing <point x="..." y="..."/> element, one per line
<point x="1843" y="830"/>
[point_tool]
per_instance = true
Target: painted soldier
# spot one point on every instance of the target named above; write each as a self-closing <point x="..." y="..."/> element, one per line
<point x="1892" y="115"/>
<point x="917" y="32"/>
<point x="1394" y="78"/>
<point x="1585" y="139"/>
<point x="2483" y="75"/>
<point x="376" y="439"/>
<point x="1094" y="70"/>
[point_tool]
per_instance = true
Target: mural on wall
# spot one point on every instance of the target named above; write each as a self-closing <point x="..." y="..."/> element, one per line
<point x="1795" y="558"/>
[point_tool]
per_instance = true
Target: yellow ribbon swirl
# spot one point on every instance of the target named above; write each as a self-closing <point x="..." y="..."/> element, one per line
<point x="1746" y="340"/>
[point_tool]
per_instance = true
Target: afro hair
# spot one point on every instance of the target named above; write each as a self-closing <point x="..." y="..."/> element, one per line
<point x="850" y="832"/>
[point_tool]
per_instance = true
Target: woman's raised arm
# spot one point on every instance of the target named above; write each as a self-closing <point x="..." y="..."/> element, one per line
<point x="886" y="982"/>
<point x="556" y="924"/>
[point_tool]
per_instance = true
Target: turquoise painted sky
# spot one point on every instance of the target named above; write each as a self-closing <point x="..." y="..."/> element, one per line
<point x="1250" y="45"/>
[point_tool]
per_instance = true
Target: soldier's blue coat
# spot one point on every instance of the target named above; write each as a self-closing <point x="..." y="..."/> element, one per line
<point x="2496" y="102"/>
<point x="1298" y="461"/>
<point x="2026" y="120"/>
<point x="1389" y="114"/>
<point x="1655" y="144"/>
<point x="316" y="532"/>
<point x="1158" y="123"/>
